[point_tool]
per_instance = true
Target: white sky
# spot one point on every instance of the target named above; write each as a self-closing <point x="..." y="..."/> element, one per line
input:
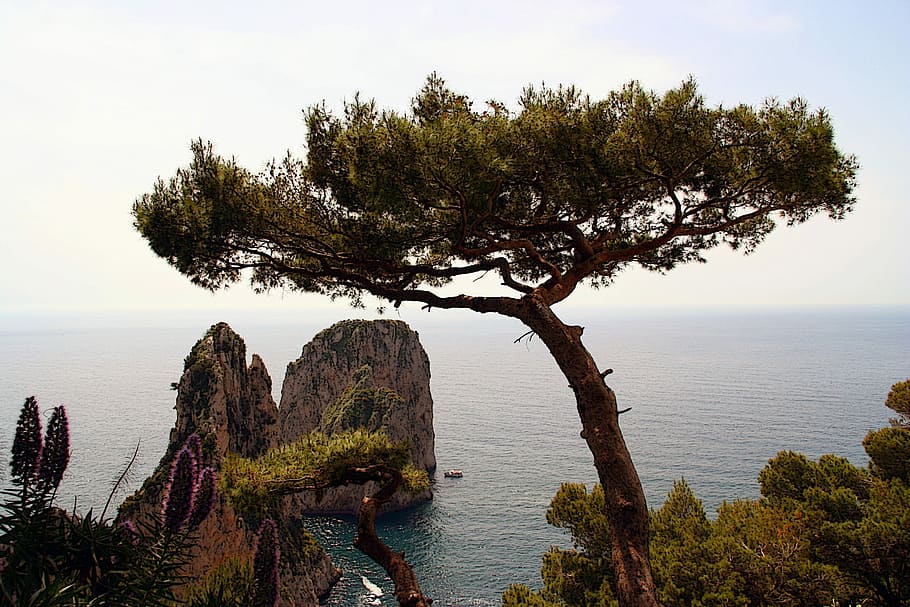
<point x="98" y="99"/>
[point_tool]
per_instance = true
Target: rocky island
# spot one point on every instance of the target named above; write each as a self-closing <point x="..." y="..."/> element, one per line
<point x="324" y="390"/>
<point x="371" y="375"/>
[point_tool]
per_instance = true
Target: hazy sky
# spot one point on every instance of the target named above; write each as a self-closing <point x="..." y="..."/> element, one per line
<point x="98" y="99"/>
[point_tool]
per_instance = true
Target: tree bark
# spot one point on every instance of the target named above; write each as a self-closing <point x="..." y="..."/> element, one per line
<point x="627" y="510"/>
<point x="407" y="588"/>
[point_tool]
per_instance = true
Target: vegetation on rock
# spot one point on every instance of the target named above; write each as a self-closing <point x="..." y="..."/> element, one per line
<point x="313" y="462"/>
<point x="361" y="405"/>
<point x="899" y="400"/>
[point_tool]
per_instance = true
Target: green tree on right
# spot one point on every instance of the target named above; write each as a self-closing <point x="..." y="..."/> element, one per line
<point x="824" y="533"/>
<point x="899" y="400"/>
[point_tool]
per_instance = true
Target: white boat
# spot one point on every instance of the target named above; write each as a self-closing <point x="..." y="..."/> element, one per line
<point x="375" y="590"/>
<point x="453" y="473"/>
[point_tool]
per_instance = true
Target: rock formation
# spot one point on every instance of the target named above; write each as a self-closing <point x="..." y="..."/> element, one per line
<point x="220" y="397"/>
<point x="327" y="366"/>
<point x="230" y="407"/>
<point x="358" y="373"/>
<point x="373" y="375"/>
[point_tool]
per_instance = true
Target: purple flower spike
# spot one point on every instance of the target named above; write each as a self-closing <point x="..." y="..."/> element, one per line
<point x="265" y="565"/>
<point x="131" y="532"/>
<point x="27" y="443"/>
<point x="195" y="446"/>
<point x="180" y="492"/>
<point x="205" y="497"/>
<point x="56" y="453"/>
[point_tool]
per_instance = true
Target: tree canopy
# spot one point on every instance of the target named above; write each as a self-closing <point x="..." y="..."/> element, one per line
<point x="899" y="401"/>
<point x="566" y="189"/>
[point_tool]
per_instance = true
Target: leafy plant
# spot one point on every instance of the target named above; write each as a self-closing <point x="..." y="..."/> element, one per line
<point x="52" y="557"/>
<point x="315" y="462"/>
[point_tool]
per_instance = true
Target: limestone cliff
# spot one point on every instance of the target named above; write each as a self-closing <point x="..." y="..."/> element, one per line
<point x="327" y="367"/>
<point x="361" y="374"/>
<point x="221" y="398"/>
<point x="230" y="406"/>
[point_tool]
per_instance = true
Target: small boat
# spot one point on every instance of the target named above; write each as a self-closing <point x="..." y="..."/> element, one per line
<point x="453" y="473"/>
<point x="375" y="590"/>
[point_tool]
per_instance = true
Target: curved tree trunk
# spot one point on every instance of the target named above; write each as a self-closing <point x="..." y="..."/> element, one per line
<point x="627" y="510"/>
<point x="407" y="588"/>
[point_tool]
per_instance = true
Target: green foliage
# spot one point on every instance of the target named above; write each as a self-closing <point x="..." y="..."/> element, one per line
<point x="873" y="551"/>
<point x="889" y="452"/>
<point x="787" y="476"/>
<point x="578" y="578"/>
<point x="766" y="551"/>
<point x="856" y="518"/>
<point x="825" y="533"/>
<point x="566" y="189"/>
<point x="582" y="514"/>
<point x="314" y="461"/>
<point x="361" y="405"/>
<point x="584" y="575"/>
<point x="522" y="596"/>
<point x="227" y="584"/>
<point x="684" y="566"/>
<point x="415" y="480"/>
<point x="898" y="399"/>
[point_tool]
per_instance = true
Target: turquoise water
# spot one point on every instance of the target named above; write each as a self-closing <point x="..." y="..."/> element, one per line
<point x="714" y="395"/>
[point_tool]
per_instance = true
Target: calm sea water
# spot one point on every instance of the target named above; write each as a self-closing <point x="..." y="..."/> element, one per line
<point x="714" y="395"/>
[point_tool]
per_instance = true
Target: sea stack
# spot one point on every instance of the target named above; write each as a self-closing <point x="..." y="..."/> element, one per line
<point x="229" y="405"/>
<point x="322" y="391"/>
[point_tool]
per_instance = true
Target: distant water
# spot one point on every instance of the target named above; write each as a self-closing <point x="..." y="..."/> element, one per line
<point x="714" y="395"/>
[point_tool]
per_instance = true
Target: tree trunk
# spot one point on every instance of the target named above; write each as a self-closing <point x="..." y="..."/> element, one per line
<point x="627" y="510"/>
<point x="407" y="588"/>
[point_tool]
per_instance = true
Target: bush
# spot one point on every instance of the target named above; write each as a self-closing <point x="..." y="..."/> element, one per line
<point x="52" y="557"/>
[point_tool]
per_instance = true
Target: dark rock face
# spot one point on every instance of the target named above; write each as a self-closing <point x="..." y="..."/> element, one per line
<point x="230" y="407"/>
<point x="327" y="367"/>
<point x="219" y="396"/>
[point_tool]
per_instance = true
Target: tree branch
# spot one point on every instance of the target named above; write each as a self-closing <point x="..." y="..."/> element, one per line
<point x="512" y="245"/>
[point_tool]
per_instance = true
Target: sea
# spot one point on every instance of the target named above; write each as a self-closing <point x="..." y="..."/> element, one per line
<point x="714" y="393"/>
